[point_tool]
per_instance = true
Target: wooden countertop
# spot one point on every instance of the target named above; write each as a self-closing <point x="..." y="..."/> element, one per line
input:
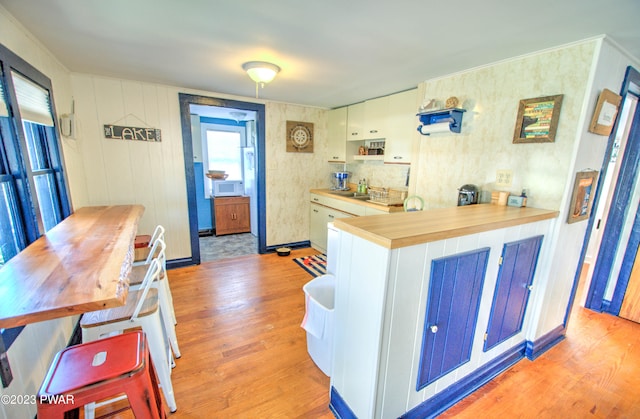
<point x="411" y="228"/>
<point x="80" y="265"/>
<point x="328" y="193"/>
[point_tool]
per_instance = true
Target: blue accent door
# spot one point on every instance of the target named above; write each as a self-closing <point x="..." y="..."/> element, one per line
<point x="518" y="266"/>
<point x="452" y="311"/>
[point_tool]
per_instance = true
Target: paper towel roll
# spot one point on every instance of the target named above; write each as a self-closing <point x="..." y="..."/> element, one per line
<point x="433" y="128"/>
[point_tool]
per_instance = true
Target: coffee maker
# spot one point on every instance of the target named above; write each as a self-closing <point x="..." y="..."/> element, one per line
<point x="467" y="195"/>
<point x="339" y="181"/>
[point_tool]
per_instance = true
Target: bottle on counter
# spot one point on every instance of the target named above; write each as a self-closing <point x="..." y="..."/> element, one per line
<point x="523" y="195"/>
<point x="362" y="186"/>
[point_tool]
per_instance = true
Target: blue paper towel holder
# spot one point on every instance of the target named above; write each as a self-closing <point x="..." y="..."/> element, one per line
<point x="453" y="116"/>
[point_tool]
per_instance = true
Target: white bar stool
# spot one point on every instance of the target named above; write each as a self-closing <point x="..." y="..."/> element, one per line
<point x="136" y="278"/>
<point x="140" y="310"/>
<point x="151" y="252"/>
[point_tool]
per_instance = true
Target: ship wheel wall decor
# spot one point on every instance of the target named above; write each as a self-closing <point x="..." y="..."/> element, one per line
<point x="299" y="137"/>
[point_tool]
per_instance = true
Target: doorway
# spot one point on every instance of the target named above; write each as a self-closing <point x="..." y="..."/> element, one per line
<point x="214" y="112"/>
<point x="617" y="248"/>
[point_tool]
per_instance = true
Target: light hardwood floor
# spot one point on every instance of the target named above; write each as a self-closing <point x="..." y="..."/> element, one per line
<point x="244" y="354"/>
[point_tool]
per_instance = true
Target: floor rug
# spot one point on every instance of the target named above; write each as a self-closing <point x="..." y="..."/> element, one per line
<point x="316" y="265"/>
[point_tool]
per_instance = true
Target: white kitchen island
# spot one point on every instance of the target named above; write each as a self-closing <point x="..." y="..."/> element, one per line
<point x="432" y="304"/>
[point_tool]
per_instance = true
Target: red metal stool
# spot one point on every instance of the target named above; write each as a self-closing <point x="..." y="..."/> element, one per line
<point x="141" y="246"/>
<point x="143" y="243"/>
<point x="93" y="371"/>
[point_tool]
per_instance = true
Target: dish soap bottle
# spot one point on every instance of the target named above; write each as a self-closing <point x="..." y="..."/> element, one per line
<point x="362" y="186"/>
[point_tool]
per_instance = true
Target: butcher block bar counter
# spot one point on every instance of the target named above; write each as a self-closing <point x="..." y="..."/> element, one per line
<point x="410" y="228"/>
<point x="80" y="265"/>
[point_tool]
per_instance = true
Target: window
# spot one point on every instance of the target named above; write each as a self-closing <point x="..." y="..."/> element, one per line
<point x="33" y="194"/>
<point x="224" y="152"/>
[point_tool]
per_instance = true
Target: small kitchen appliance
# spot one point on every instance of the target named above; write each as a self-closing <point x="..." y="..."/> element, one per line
<point x="339" y="181"/>
<point x="227" y="188"/>
<point x="467" y="195"/>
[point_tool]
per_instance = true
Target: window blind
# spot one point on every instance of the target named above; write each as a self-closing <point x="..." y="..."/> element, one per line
<point x="33" y="100"/>
<point x="3" y="103"/>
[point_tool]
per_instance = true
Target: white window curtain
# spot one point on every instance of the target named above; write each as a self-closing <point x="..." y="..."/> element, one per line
<point x="3" y="103"/>
<point x="33" y="100"/>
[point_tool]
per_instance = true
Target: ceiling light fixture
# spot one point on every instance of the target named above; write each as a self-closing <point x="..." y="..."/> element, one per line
<point x="261" y="72"/>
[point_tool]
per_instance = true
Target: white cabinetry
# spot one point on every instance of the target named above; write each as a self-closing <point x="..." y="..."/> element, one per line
<point x="325" y="210"/>
<point x="355" y="118"/>
<point x="320" y="217"/>
<point x="373" y="211"/>
<point x="391" y="119"/>
<point x="375" y="118"/>
<point x="402" y="123"/>
<point x="337" y="142"/>
<point x="380" y="311"/>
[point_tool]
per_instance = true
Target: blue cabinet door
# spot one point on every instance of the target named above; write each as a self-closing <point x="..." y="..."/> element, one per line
<point x="452" y="310"/>
<point x="510" y="298"/>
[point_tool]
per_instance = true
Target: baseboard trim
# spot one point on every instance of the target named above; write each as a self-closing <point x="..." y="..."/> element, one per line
<point x="296" y="245"/>
<point x="451" y="395"/>
<point x="179" y="263"/>
<point x="339" y="407"/>
<point x="546" y="342"/>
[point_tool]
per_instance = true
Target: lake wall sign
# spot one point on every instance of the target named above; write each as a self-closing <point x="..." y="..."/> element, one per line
<point x="118" y="132"/>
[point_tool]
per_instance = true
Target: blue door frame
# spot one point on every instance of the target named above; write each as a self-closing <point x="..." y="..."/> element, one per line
<point x="186" y="100"/>
<point x="619" y="208"/>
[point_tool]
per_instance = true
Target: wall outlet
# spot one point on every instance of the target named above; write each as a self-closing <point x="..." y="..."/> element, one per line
<point x="504" y="177"/>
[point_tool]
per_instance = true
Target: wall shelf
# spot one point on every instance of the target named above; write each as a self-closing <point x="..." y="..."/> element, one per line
<point x="441" y="120"/>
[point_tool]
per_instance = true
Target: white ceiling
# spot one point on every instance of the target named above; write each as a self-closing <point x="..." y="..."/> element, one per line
<point x="332" y="52"/>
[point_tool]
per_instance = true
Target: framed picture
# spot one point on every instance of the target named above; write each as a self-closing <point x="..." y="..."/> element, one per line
<point x="605" y="113"/>
<point x="299" y="137"/>
<point x="584" y="188"/>
<point x="537" y="120"/>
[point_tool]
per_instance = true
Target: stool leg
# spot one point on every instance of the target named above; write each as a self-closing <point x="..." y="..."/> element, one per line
<point x="89" y="335"/>
<point x="142" y="403"/>
<point x="169" y="325"/>
<point x="165" y="282"/>
<point x="152" y="325"/>
<point x="156" y="387"/>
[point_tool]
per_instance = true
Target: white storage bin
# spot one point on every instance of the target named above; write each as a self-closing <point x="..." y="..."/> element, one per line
<point x="318" y="320"/>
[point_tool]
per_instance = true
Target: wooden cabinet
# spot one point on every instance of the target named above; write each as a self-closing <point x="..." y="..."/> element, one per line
<point x="452" y="312"/>
<point x="517" y="267"/>
<point x="232" y="215"/>
<point x="337" y="141"/>
<point x="401" y="125"/>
